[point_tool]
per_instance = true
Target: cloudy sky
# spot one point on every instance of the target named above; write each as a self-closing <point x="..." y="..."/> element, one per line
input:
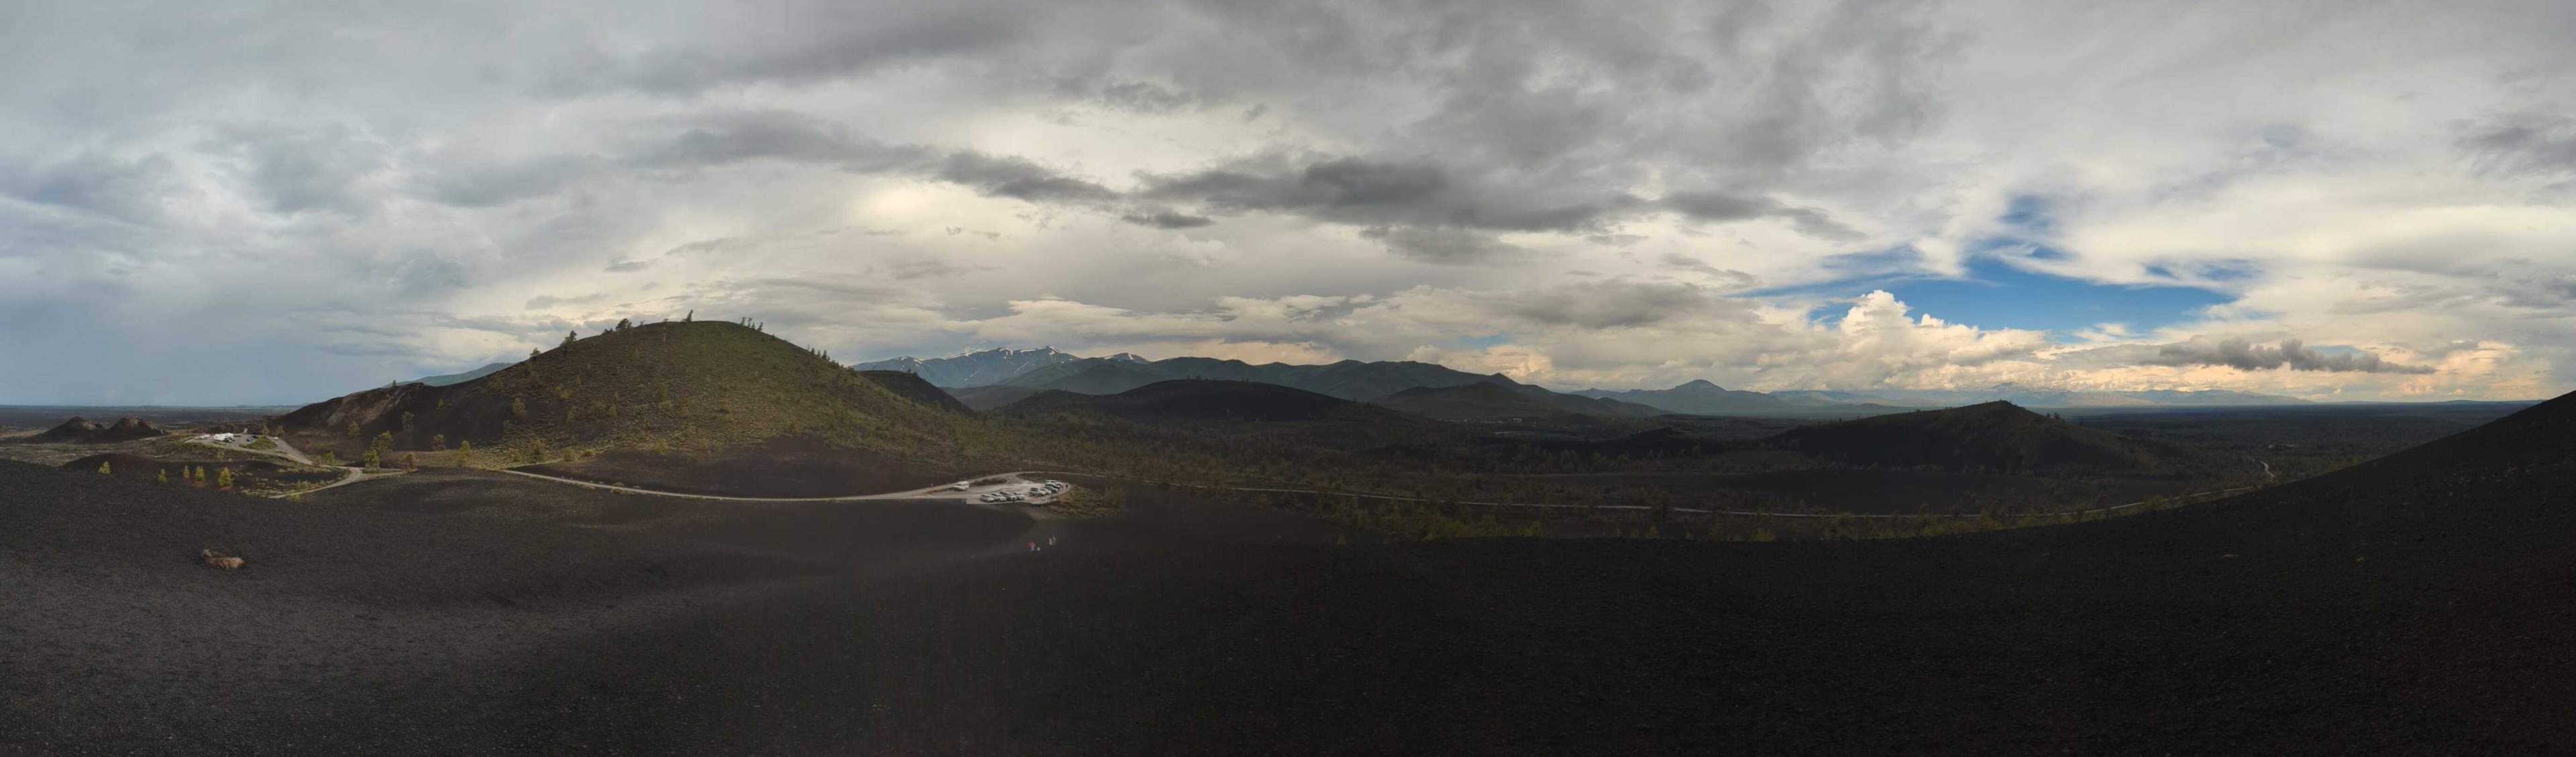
<point x="273" y="203"/>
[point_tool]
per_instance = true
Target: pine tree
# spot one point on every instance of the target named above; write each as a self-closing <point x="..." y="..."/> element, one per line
<point x="406" y="421"/>
<point x="104" y="469"/>
<point x="532" y="353"/>
<point x="164" y="476"/>
<point x="464" y="451"/>
<point x="623" y="324"/>
<point x="518" y="408"/>
<point x="224" y="479"/>
<point x="437" y="441"/>
<point x="569" y="336"/>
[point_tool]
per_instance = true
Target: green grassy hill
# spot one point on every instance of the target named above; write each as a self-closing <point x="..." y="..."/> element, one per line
<point x="662" y="386"/>
<point x="910" y="386"/>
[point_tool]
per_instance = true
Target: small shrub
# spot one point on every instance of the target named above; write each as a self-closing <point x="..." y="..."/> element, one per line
<point x="219" y="560"/>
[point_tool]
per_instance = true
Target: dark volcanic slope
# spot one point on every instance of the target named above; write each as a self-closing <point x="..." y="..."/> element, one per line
<point x="347" y="632"/>
<point x="2424" y="603"/>
<point x="85" y="431"/>
<point x="2419" y="604"/>
<point x="1993" y="437"/>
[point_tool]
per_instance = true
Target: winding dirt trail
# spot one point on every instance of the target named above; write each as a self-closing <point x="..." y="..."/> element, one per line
<point x="282" y="449"/>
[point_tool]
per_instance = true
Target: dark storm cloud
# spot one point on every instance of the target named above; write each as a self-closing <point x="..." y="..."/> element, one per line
<point x="2522" y="143"/>
<point x="927" y="269"/>
<point x="1718" y="207"/>
<point x="1017" y="178"/>
<point x="542" y="302"/>
<point x="302" y="169"/>
<point x="1167" y="220"/>
<point x="1609" y="304"/>
<point x="457" y="181"/>
<point x="1367" y="192"/>
<point x="1134" y="96"/>
<point x="736" y="136"/>
<point x="1562" y="92"/>
<point x="126" y="190"/>
<point x="693" y="141"/>
<point x="727" y="137"/>
<point x="1678" y="261"/>
<point x="2291" y="353"/>
<point x="803" y="43"/>
<point x="1444" y="246"/>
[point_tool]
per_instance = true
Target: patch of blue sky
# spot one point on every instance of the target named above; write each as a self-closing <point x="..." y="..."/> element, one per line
<point x="1994" y="292"/>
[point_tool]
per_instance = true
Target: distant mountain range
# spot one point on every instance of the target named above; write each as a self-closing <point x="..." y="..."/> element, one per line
<point x="1047" y="368"/>
<point x="986" y="368"/>
<point x="453" y="379"/>
<point x="1001" y="376"/>
<point x="1698" y="397"/>
<point x="2029" y="396"/>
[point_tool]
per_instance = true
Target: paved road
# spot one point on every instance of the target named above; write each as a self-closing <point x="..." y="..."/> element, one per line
<point x="1013" y="480"/>
<point x="1017" y="478"/>
<point x="1705" y="511"/>
<point x="355" y="475"/>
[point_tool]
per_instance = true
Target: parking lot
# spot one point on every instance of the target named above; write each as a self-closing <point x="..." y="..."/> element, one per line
<point x="1020" y="491"/>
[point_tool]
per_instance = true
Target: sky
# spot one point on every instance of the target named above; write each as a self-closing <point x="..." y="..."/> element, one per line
<point x="274" y="203"/>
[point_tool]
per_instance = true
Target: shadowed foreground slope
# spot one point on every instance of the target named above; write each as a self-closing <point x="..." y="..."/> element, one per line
<point x="2425" y="602"/>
